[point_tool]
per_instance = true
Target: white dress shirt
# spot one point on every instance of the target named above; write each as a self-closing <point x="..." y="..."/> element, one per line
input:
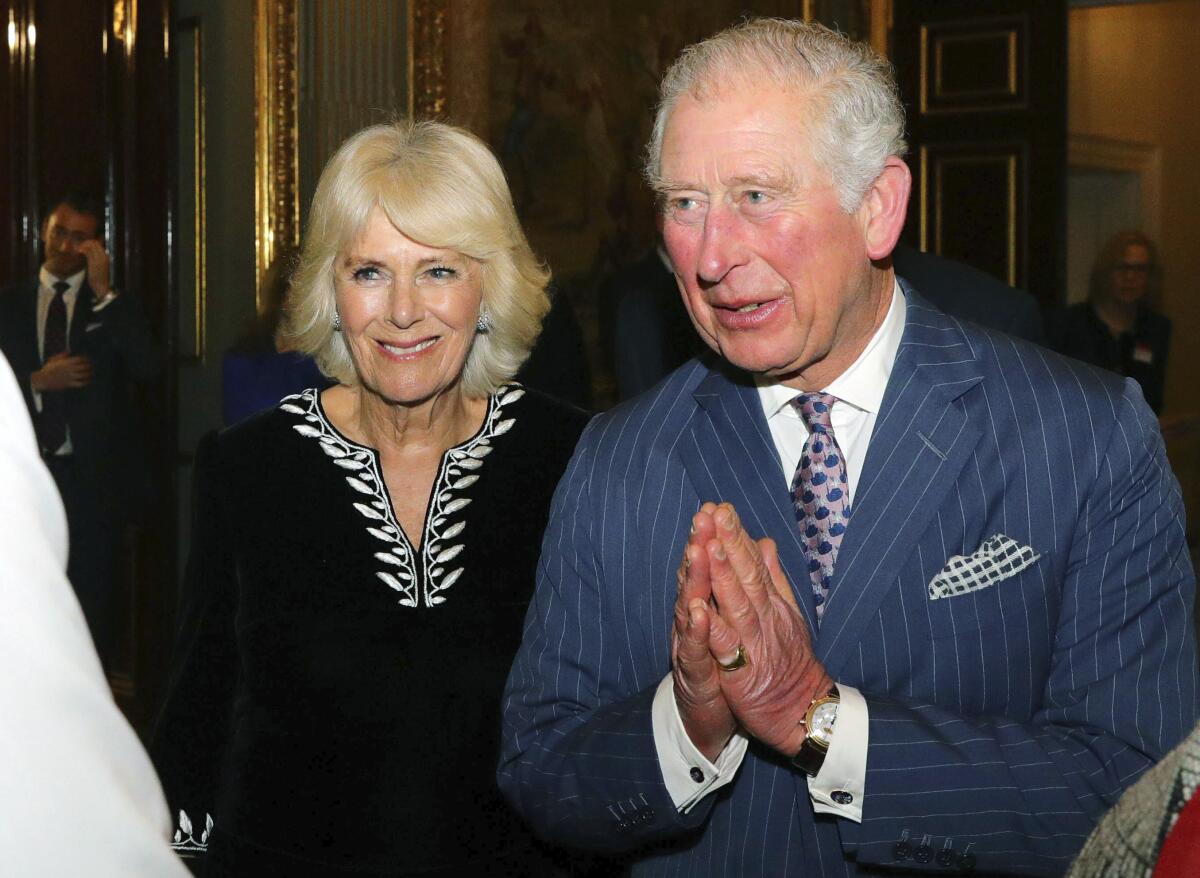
<point x="859" y="392"/>
<point x="79" y="795"/>
<point x="46" y="294"/>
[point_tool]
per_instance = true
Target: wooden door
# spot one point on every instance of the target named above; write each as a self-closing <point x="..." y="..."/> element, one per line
<point x="985" y="86"/>
<point x="83" y="107"/>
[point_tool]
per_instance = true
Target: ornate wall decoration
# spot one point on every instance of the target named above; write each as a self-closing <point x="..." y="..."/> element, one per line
<point x="428" y="71"/>
<point x="353" y="71"/>
<point x="276" y="163"/>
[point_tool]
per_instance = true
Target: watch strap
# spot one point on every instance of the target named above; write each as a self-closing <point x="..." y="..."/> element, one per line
<point x="810" y="758"/>
<point x="811" y="755"/>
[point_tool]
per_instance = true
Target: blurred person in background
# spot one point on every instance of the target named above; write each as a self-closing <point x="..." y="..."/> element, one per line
<point x="261" y="368"/>
<point x="1119" y="328"/>
<point x="77" y="344"/>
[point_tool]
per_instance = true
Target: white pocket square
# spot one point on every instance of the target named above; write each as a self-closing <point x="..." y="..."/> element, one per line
<point x="92" y="326"/>
<point x="997" y="558"/>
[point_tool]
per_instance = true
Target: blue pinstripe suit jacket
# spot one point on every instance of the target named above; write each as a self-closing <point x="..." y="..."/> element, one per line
<point x="1003" y="721"/>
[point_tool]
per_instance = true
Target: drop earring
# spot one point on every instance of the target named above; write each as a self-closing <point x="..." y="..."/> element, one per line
<point x="483" y="323"/>
<point x="337" y="322"/>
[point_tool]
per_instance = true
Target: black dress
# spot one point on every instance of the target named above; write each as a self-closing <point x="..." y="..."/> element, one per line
<point x="1140" y="354"/>
<point x="334" y="703"/>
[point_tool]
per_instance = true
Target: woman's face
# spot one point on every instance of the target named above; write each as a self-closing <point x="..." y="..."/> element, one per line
<point x="1131" y="277"/>
<point x="408" y="312"/>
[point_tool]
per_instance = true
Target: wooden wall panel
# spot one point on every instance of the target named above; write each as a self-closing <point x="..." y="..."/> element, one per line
<point x="974" y="67"/>
<point x="985" y="90"/>
<point x="353" y="72"/>
<point x="71" y="113"/>
<point x="17" y="174"/>
<point x="84" y="105"/>
<point x="972" y="205"/>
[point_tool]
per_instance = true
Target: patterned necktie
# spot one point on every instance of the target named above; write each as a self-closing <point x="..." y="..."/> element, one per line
<point x="819" y="492"/>
<point x="52" y="422"/>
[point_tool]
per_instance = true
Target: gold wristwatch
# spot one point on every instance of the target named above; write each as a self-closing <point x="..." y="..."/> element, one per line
<point x="819" y="720"/>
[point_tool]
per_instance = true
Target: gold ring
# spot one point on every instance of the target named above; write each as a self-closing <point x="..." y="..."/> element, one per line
<point x="738" y="662"/>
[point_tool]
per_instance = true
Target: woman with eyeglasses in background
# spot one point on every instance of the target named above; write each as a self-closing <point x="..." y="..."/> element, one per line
<point x="1118" y="327"/>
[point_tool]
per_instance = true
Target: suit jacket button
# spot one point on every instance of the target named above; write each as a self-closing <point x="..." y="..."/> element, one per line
<point x="966" y="862"/>
<point x="697" y="775"/>
<point x="902" y="850"/>
<point x="923" y="854"/>
<point x="841" y="797"/>
<point x="945" y="857"/>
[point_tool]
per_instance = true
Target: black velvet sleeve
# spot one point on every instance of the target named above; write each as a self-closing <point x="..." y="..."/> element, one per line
<point x="192" y="733"/>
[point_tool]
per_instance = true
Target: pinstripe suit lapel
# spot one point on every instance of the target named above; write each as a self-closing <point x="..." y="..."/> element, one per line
<point x="732" y="458"/>
<point x="921" y="441"/>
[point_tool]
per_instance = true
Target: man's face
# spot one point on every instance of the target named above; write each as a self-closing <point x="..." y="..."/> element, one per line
<point x="65" y="232"/>
<point x="774" y="274"/>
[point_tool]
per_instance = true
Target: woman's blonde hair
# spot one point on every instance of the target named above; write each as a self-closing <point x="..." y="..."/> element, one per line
<point x="440" y="186"/>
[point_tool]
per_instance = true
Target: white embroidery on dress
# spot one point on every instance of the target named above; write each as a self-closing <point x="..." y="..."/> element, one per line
<point x="364" y="477"/>
<point x="184" y="842"/>
<point x="458" y="471"/>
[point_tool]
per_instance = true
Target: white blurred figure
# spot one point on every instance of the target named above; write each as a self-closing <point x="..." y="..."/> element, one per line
<point x="79" y="795"/>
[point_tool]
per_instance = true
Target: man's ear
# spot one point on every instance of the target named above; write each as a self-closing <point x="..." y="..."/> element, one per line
<point x="885" y="206"/>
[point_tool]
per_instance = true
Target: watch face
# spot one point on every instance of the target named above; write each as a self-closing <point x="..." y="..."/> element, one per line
<point x="823" y="719"/>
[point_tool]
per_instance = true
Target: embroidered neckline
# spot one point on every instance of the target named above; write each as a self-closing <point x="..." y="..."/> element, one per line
<point x="459" y="469"/>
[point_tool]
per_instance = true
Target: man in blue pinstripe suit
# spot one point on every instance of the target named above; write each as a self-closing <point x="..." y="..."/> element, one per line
<point x="941" y="616"/>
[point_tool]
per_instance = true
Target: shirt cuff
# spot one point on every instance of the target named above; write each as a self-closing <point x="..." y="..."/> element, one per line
<point x="689" y="776"/>
<point x="109" y="298"/>
<point x="840" y="785"/>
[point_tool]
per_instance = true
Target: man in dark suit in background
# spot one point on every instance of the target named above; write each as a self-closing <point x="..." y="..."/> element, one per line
<point x="964" y="291"/>
<point x="869" y="588"/>
<point x="75" y="343"/>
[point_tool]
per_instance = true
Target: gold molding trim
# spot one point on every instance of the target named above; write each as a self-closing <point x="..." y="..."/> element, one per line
<point x="881" y="26"/>
<point x="1015" y="31"/>
<point x="879" y="23"/>
<point x="192" y="30"/>
<point x="1009" y="90"/>
<point x="427" y="58"/>
<point x="1007" y="160"/>
<point x="276" y="154"/>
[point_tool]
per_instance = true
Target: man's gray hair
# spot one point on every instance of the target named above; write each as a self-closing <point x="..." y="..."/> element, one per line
<point x="859" y="121"/>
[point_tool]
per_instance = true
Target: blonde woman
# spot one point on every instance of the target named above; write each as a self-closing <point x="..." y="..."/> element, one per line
<point x="363" y="556"/>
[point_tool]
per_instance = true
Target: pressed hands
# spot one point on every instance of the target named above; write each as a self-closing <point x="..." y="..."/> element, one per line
<point x="732" y="592"/>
